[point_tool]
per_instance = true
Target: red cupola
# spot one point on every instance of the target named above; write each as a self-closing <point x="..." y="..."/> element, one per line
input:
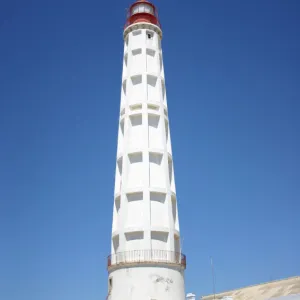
<point x="142" y="11"/>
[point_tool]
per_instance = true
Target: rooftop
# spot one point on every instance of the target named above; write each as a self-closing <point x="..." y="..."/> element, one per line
<point x="269" y="290"/>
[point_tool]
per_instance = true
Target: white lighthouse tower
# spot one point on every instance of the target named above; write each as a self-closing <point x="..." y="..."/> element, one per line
<point x="146" y="262"/>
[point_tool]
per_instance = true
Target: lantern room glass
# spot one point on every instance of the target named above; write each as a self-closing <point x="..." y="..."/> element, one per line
<point x="142" y="8"/>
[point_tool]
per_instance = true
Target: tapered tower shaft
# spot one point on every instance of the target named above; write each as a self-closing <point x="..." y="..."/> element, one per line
<point x="146" y="260"/>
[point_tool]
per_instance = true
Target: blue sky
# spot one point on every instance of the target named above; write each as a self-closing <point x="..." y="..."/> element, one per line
<point x="232" y="73"/>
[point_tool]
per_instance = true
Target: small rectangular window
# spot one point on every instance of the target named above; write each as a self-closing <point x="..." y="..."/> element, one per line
<point x="150" y="35"/>
<point x="110" y="283"/>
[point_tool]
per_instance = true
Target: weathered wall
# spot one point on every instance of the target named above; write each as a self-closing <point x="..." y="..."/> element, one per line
<point x="147" y="282"/>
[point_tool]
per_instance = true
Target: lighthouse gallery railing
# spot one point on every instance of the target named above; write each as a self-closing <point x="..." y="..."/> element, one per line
<point x="146" y="257"/>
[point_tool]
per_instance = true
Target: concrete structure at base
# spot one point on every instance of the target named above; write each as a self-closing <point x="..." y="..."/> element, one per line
<point x="146" y="262"/>
<point x="285" y="289"/>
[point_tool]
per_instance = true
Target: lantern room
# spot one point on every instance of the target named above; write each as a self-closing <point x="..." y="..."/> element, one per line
<point x="142" y="11"/>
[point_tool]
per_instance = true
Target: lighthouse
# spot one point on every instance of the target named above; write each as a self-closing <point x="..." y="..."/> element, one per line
<point x="146" y="262"/>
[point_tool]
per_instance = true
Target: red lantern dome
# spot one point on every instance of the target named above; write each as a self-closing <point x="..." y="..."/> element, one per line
<point x="142" y="11"/>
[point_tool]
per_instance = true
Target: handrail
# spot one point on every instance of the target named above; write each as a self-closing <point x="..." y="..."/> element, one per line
<point x="146" y="257"/>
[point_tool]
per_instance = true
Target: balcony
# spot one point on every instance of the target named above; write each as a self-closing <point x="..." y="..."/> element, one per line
<point x="134" y="257"/>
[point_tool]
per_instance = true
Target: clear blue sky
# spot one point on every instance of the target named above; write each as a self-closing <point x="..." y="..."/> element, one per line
<point x="233" y="84"/>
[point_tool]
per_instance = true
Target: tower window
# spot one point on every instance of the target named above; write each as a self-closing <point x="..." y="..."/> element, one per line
<point x="150" y="35"/>
<point x="110" y="284"/>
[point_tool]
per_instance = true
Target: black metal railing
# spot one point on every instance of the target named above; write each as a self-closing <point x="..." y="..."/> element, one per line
<point x="146" y="257"/>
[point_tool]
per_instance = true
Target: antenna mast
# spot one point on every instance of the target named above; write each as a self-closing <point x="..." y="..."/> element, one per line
<point x="213" y="277"/>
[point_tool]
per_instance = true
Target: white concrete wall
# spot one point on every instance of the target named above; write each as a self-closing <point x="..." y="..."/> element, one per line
<point x="147" y="283"/>
<point x="145" y="215"/>
<point x="144" y="145"/>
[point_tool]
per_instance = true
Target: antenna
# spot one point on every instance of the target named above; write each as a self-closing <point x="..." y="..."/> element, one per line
<point x="213" y="277"/>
